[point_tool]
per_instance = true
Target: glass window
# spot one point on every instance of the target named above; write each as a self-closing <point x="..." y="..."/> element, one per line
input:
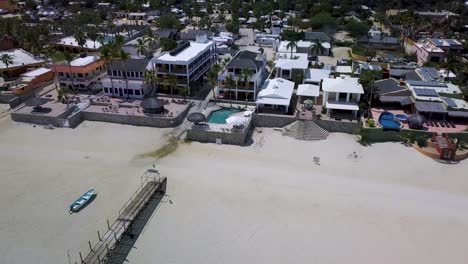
<point x="125" y="91"/>
<point x="106" y="90"/>
<point x="114" y="73"/>
<point x="130" y="91"/>
<point x="137" y="92"/>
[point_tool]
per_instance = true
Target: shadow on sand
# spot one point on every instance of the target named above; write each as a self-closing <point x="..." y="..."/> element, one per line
<point x="119" y="254"/>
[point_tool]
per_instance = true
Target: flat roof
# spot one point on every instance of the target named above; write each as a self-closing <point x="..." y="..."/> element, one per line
<point x="317" y="75"/>
<point x="71" y="41"/>
<point x="430" y="107"/>
<point x="20" y="58"/>
<point x="292" y="64"/>
<point x="342" y="85"/>
<point x="308" y="90"/>
<point x="344" y="69"/>
<point x="36" y="72"/>
<point x="84" y="61"/>
<point x="187" y="55"/>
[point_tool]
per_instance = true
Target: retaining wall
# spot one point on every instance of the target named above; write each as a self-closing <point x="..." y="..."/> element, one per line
<point x="40" y="119"/>
<point x="272" y="120"/>
<point x="208" y="136"/>
<point x="147" y="120"/>
<point x="379" y="135"/>
<point x="338" y="126"/>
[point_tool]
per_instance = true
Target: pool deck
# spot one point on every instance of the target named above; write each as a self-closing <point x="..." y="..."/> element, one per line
<point x="459" y="127"/>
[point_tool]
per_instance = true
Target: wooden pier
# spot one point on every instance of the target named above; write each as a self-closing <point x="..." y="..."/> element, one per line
<point x="152" y="183"/>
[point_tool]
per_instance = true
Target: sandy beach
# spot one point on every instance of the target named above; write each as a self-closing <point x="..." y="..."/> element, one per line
<point x="43" y="171"/>
<point x="265" y="203"/>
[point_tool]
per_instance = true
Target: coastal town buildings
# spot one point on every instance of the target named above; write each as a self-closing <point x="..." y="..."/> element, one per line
<point x="275" y="95"/>
<point x="22" y="62"/>
<point x="31" y="80"/>
<point x="80" y="74"/>
<point x="188" y="62"/>
<point x="342" y="95"/>
<point x="126" y="79"/>
<point x="436" y="50"/>
<point x="253" y="63"/>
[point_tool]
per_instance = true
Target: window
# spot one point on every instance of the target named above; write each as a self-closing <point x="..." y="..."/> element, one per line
<point x="230" y="70"/>
<point x="137" y="92"/>
<point x="114" y="73"/>
<point x="80" y="75"/>
<point x="125" y="91"/>
<point x="130" y="91"/>
<point x="106" y="90"/>
<point x="60" y="74"/>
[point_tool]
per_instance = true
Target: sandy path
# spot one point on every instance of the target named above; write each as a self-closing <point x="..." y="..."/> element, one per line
<point x="269" y="203"/>
<point x="43" y="171"/>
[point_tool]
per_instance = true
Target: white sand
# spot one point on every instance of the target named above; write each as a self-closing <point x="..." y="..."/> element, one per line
<point x="266" y="203"/>
<point x="44" y="171"/>
<point x="272" y="204"/>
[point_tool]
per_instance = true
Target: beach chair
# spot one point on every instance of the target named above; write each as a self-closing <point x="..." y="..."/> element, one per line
<point x="442" y="123"/>
<point x="436" y="124"/>
<point x="452" y="124"/>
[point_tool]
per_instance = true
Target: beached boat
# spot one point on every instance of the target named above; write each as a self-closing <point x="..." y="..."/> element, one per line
<point x="83" y="200"/>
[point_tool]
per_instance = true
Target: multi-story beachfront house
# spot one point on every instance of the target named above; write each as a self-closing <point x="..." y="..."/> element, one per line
<point x="126" y="79"/>
<point x="187" y="62"/>
<point x="31" y="80"/>
<point x="341" y="96"/>
<point x="81" y="74"/>
<point x="243" y="61"/>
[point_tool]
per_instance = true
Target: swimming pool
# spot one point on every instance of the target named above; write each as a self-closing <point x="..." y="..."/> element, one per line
<point x="388" y="122"/>
<point x="220" y="116"/>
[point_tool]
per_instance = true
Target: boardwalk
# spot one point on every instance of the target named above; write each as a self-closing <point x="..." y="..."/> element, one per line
<point x="108" y="245"/>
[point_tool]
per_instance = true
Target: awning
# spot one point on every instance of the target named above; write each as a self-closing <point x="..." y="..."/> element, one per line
<point x="342" y="106"/>
<point x="402" y="100"/>
<point x="430" y="107"/>
<point x="459" y="114"/>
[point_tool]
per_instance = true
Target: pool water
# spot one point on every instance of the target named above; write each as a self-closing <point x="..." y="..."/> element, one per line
<point x="401" y="117"/>
<point x="388" y="122"/>
<point x="220" y="116"/>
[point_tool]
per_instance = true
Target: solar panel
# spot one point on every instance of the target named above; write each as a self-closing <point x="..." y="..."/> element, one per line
<point x="425" y="92"/>
<point x="449" y="102"/>
<point x="452" y="42"/>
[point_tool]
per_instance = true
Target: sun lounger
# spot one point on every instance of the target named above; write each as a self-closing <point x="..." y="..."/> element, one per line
<point x="452" y="124"/>
<point x="442" y="123"/>
<point x="436" y="124"/>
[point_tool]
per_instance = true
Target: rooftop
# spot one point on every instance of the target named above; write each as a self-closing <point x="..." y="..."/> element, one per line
<point x="246" y="60"/>
<point x="308" y="90"/>
<point x="20" y="58"/>
<point x="136" y="65"/>
<point x="342" y="85"/>
<point x="292" y="64"/>
<point x="276" y="91"/>
<point x="71" y="41"/>
<point x="84" y="61"/>
<point x="187" y="55"/>
<point x="317" y="75"/>
<point x="36" y="72"/>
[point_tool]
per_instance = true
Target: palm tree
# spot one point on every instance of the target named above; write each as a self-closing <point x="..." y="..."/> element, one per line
<point x="292" y="45"/>
<point x="150" y="39"/>
<point x="230" y="83"/>
<point x="106" y="54"/>
<point x="451" y="65"/>
<point x="141" y="46"/>
<point x="317" y="48"/>
<point x="7" y="59"/>
<point x="124" y="57"/>
<point x="246" y="75"/>
<point x="93" y="35"/>
<point x="80" y="38"/>
<point x="213" y="76"/>
<point x="172" y="82"/>
<point x="150" y="78"/>
<point x="69" y="57"/>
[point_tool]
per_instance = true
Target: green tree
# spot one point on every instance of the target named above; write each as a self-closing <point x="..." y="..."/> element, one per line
<point x="123" y="56"/>
<point x="172" y="82"/>
<point x="93" y="35"/>
<point x="80" y="38"/>
<point x="317" y="48"/>
<point x="230" y="83"/>
<point x="246" y="75"/>
<point x="213" y="75"/>
<point x="7" y="59"/>
<point x="150" y="78"/>
<point x="292" y="45"/>
<point x="141" y="47"/>
<point x="71" y="76"/>
<point x="106" y="54"/>
<point x="168" y="21"/>
<point x="168" y="44"/>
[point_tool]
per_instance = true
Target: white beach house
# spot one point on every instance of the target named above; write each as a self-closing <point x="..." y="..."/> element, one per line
<point x="342" y="95"/>
<point x="276" y="94"/>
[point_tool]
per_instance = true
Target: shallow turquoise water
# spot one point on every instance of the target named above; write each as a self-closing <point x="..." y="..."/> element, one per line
<point x="220" y="116"/>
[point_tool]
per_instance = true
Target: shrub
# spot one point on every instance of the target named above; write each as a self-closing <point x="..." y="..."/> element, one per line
<point x="324" y="110"/>
<point x="371" y="122"/>
<point x="363" y="137"/>
<point x="421" y="141"/>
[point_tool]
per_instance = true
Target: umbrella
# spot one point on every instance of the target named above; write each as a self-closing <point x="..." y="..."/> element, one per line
<point x="35" y="102"/>
<point x="236" y="120"/>
<point x="196" y="117"/>
<point x="308" y="102"/>
<point x="416" y="121"/>
<point x="153" y="105"/>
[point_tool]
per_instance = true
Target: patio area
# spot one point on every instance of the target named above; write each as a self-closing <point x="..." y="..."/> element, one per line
<point x="459" y="126"/>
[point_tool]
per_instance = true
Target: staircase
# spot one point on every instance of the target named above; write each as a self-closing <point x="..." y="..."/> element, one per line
<point x="305" y="130"/>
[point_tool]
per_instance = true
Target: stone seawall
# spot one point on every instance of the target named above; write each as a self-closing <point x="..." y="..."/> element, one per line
<point x="271" y="120"/>
<point x="147" y="120"/>
<point x="207" y="136"/>
<point x="339" y="127"/>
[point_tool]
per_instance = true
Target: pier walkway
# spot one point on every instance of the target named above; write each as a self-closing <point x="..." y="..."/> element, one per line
<point x="108" y="245"/>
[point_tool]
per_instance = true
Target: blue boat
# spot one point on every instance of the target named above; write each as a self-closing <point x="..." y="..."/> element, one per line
<point x="83" y="200"/>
